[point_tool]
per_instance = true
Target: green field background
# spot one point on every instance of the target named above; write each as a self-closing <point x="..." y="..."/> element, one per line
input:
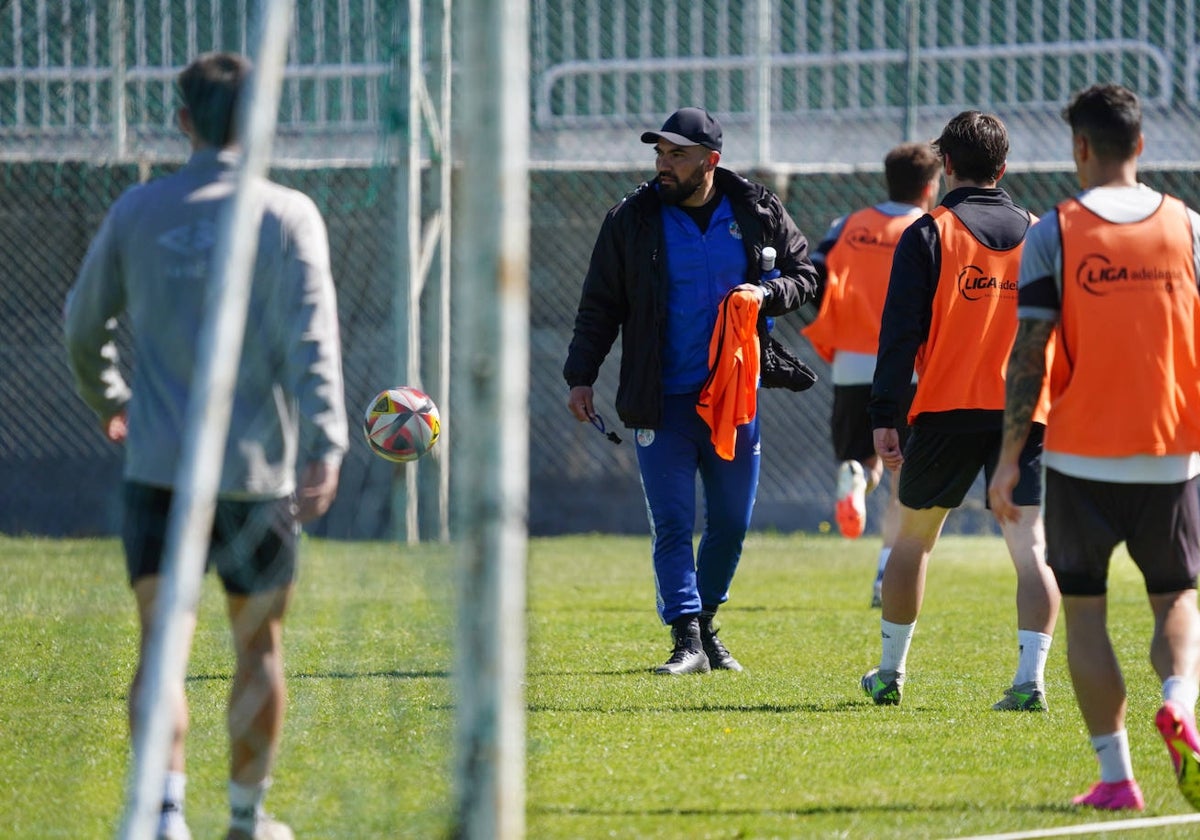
<point x="789" y="749"/>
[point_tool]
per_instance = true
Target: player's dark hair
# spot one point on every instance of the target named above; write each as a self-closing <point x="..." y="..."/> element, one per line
<point x="211" y="86"/>
<point x="908" y="168"/>
<point x="977" y="145"/>
<point x="1110" y="117"/>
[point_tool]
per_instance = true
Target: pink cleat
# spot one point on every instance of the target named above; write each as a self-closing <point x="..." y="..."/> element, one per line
<point x="1112" y="796"/>
<point x="1178" y="730"/>
<point x="851" y="508"/>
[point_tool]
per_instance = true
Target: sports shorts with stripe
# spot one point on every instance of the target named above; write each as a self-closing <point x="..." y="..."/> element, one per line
<point x="1086" y="519"/>
<point x="850" y="424"/>
<point x="253" y="544"/>
<point x="940" y="467"/>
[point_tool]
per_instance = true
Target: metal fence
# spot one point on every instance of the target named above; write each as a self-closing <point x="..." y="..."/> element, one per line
<point x="799" y="78"/>
<point x="96" y="79"/>
<point x="795" y="78"/>
<point x="811" y="93"/>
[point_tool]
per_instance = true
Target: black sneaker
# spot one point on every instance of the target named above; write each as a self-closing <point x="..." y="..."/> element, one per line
<point x="719" y="657"/>
<point x="688" y="656"/>
<point x="884" y="687"/>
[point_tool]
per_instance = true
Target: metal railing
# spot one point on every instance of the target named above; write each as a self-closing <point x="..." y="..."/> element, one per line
<point x="99" y="75"/>
<point x="106" y="70"/>
<point x="557" y="105"/>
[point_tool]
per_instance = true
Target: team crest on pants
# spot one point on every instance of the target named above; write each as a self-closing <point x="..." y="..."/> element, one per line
<point x="645" y="437"/>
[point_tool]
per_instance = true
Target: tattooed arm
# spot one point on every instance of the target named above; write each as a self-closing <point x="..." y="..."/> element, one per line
<point x="1026" y="372"/>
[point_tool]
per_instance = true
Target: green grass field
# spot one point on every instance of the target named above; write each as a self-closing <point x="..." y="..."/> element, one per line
<point x="788" y="749"/>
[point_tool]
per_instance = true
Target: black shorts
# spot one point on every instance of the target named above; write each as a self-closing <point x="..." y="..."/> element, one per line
<point x="939" y="468"/>
<point x="850" y="424"/>
<point x="253" y="544"/>
<point x="1159" y="524"/>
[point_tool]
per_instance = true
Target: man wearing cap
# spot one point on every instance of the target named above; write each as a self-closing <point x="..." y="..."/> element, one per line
<point x="665" y="257"/>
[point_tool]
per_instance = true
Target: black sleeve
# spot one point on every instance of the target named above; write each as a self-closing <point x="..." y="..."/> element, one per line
<point x="808" y="312"/>
<point x="818" y="258"/>
<point x="1041" y="293"/>
<point x="907" y="312"/>
<point x="797" y="282"/>
<point x="602" y="307"/>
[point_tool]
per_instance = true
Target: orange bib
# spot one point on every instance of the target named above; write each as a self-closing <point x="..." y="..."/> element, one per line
<point x="858" y="267"/>
<point x="962" y="363"/>
<point x="1126" y="379"/>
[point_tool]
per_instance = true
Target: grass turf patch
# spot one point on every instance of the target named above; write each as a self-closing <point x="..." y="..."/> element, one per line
<point x="790" y="748"/>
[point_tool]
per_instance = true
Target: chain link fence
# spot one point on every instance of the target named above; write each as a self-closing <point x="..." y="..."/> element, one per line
<point x="811" y="95"/>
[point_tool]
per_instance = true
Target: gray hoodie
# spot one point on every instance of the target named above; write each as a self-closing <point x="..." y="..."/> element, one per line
<point x="150" y="260"/>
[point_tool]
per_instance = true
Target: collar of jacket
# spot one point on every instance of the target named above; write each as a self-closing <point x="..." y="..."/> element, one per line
<point x="739" y="190"/>
<point x="986" y="195"/>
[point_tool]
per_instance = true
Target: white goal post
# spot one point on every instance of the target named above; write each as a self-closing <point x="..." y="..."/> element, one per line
<point x="491" y="296"/>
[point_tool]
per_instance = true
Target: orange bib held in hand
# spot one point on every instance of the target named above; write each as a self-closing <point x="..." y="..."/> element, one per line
<point x="729" y="397"/>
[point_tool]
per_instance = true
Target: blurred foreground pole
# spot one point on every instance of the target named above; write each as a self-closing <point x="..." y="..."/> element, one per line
<point x="421" y="301"/>
<point x="762" y="84"/>
<point x="198" y="479"/>
<point x="118" y="106"/>
<point x="490" y="381"/>
<point x="912" y="75"/>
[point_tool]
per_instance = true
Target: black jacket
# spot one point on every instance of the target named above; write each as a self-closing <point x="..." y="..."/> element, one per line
<point x="626" y="288"/>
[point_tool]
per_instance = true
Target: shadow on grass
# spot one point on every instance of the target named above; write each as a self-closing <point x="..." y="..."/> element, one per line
<point x="340" y="675"/>
<point x="809" y="811"/>
<point x="760" y="708"/>
<point x="641" y="671"/>
<point x="726" y="609"/>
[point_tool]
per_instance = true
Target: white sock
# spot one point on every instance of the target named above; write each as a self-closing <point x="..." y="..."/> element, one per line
<point x="245" y="804"/>
<point x="1182" y="690"/>
<point x="1112" y="751"/>
<point x="884" y="554"/>
<point x="174" y="784"/>
<point x="896" y="641"/>
<point x="1033" y="649"/>
<point x="170" y="819"/>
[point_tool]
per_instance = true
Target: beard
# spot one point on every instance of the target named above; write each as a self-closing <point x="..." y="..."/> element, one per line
<point x="676" y="192"/>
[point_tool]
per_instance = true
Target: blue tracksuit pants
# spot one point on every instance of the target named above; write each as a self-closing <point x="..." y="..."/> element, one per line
<point x="669" y="458"/>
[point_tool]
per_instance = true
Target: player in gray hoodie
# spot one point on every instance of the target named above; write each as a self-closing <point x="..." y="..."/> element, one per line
<point x="150" y="262"/>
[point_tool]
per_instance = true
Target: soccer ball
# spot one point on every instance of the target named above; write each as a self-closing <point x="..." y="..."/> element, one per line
<point x="401" y="424"/>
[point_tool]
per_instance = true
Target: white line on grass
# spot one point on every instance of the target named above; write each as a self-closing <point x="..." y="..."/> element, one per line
<point x="1090" y="828"/>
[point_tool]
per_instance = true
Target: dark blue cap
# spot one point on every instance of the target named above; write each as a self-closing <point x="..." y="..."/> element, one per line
<point x="688" y="127"/>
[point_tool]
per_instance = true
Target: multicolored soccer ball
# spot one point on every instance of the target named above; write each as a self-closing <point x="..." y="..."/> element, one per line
<point x="402" y="424"/>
